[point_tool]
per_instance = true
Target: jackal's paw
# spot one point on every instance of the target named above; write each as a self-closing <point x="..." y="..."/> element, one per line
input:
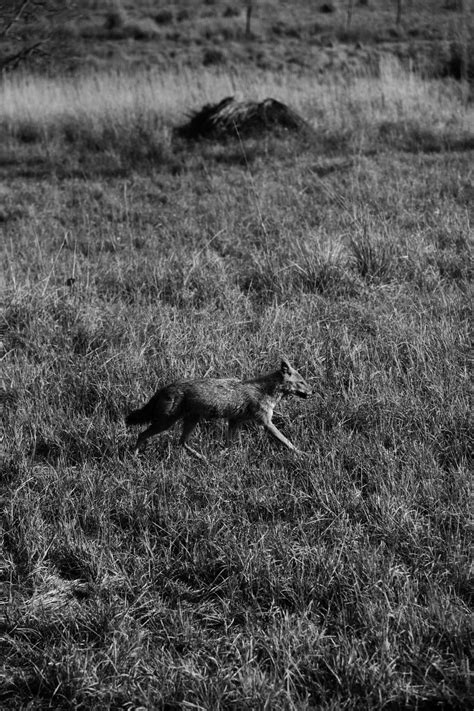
<point x="196" y="454"/>
<point x="300" y="454"/>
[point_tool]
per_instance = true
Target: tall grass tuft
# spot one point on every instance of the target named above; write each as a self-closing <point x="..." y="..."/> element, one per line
<point x="374" y="256"/>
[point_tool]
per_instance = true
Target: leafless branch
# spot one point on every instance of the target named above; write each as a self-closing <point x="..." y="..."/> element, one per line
<point x="14" y="18"/>
<point x="14" y="60"/>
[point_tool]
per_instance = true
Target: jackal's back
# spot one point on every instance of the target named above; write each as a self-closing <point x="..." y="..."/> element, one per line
<point x="212" y="398"/>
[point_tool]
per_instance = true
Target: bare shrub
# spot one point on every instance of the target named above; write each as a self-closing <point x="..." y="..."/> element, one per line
<point x="213" y="56"/>
<point x="115" y="17"/>
<point x="163" y="17"/>
<point x="242" y="118"/>
<point x="231" y="11"/>
<point x="328" y="7"/>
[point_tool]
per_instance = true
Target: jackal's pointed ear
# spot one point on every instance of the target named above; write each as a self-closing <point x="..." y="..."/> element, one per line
<point x="285" y="367"/>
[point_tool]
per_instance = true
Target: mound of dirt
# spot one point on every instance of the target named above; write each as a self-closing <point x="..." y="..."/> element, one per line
<point x="231" y="118"/>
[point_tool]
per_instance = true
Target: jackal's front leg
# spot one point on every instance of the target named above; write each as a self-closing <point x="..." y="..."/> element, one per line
<point x="275" y="432"/>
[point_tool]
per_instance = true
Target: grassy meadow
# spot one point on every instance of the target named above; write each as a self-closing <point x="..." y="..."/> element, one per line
<point x="339" y="580"/>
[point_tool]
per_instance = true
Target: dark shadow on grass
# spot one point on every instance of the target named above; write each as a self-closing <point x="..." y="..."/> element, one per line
<point x="47" y="451"/>
<point x="39" y="168"/>
<point x="70" y="450"/>
<point x="82" y="160"/>
<point x="67" y="159"/>
<point x="73" y="565"/>
<point x="332" y="167"/>
<point x="412" y="138"/>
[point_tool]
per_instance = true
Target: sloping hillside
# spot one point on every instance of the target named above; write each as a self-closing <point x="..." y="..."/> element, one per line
<point x="295" y="35"/>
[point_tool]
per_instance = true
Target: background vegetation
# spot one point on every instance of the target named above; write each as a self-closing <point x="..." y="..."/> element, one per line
<point x="316" y="36"/>
<point x="130" y="259"/>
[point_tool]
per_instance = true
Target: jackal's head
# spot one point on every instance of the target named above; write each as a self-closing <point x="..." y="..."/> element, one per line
<point x="292" y="382"/>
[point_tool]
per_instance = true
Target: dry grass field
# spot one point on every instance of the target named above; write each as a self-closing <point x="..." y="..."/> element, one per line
<point x="339" y="580"/>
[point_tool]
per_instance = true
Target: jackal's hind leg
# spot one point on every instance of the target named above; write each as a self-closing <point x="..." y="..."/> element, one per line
<point x="232" y="428"/>
<point x="189" y="425"/>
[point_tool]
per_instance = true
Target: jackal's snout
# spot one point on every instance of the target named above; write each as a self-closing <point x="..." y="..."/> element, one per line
<point x="302" y="389"/>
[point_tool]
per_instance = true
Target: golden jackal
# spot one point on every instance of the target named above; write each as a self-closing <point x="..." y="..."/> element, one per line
<point x="213" y="398"/>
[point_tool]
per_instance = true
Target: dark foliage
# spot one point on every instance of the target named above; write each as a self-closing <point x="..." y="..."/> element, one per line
<point x="241" y="118"/>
